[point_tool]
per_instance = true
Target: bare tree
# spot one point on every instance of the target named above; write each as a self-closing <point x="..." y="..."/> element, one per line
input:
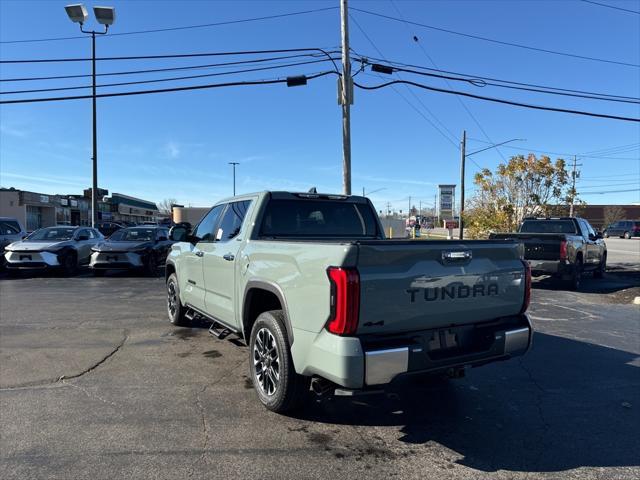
<point x="613" y="214"/>
<point x="165" y="205"/>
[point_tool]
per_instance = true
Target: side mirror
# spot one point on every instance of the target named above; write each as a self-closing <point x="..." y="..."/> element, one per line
<point x="83" y="238"/>
<point x="180" y="232"/>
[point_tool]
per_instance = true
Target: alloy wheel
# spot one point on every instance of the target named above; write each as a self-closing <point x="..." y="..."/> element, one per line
<point x="172" y="299"/>
<point x="266" y="362"/>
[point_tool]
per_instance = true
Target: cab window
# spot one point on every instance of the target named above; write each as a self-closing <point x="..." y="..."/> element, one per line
<point x="232" y="221"/>
<point x="204" y="231"/>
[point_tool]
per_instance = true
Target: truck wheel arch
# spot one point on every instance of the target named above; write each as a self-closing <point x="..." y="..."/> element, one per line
<point x="260" y="296"/>
<point x="169" y="269"/>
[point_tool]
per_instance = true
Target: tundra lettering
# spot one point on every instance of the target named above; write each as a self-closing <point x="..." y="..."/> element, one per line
<point x="453" y="291"/>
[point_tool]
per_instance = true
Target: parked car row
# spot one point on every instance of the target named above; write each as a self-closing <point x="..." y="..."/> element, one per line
<point x="67" y="248"/>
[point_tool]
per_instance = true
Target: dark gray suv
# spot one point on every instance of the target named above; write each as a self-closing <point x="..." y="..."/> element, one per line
<point x="623" y="229"/>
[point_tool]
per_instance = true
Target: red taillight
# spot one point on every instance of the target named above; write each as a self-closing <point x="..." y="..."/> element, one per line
<point x="563" y="250"/>
<point x="636" y="228"/>
<point x="527" y="286"/>
<point x="345" y="300"/>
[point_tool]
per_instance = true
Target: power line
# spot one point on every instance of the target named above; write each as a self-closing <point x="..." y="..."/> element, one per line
<point x="611" y="6"/>
<point x="169" y="29"/>
<point x="477" y="83"/>
<point x="170" y="69"/>
<point x="166" y="90"/>
<point x="364" y="33"/>
<point x="608" y="185"/>
<point x="498" y="100"/>
<point x="462" y="103"/>
<point x="170" y="79"/>
<point x="477" y="79"/>
<point x="178" y="55"/>
<point x="548" y="152"/>
<point x="500" y="42"/>
<point x="611" y="191"/>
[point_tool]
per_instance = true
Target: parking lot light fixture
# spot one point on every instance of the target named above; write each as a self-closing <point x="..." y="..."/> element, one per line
<point x="77" y="13"/>
<point x="105" y="15"/>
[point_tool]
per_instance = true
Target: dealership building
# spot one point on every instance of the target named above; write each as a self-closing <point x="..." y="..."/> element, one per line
<point x="36" y="210"/>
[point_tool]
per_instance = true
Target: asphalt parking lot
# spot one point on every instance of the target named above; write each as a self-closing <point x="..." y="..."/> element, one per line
<point x="95" y="383"/>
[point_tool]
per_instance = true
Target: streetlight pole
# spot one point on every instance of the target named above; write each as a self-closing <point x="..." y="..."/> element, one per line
<point x="463" y="157"/>
<point x="77" y="13"/>
<point x="94" y="184"/>
<point x="234" y="176"/>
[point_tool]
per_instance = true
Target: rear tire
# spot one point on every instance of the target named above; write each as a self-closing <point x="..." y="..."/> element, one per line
<point x="606" y="235"/>
<point x="576" y="276"/>
<point x="626" y="235"/>
<point x="175" y="309"/>
<point x="599" y="273"/>
<point x="98" y="273"/>
<point x="279" y="387"/>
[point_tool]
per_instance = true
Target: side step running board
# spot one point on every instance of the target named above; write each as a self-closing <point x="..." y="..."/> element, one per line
<point x="219" y="330"/>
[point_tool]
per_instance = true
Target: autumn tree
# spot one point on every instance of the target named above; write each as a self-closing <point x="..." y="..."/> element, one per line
<point x="524" y="186"/>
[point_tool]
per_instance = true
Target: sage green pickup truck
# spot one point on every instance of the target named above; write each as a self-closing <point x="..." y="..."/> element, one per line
<point x="323" y="300"/>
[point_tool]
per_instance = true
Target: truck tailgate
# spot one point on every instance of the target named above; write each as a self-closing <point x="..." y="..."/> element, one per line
<point x="537" y="246"/>
<point x="417" y="285"/>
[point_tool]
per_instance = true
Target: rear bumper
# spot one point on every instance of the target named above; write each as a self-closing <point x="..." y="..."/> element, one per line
<point x="357" y="363"/>
<point x="549" y="267"/>
<point x="427" y="351"/>
<point x="115" y="260"/>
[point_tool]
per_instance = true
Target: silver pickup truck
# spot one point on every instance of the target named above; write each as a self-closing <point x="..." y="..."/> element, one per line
<point x="324" y="300"/>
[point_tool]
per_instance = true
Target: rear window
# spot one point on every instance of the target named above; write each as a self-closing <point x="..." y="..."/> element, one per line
<point x="318" y="218"/>
<point x="548" y="226"/>
<point x="9" y="227"/>
<point x="134" y="235"/>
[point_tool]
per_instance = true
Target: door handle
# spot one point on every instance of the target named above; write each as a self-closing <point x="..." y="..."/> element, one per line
<point x="229" y="257"/>
<point x="199" y="253"/>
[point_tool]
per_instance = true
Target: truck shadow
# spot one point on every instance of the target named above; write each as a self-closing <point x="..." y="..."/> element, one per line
<point x="568" y="404"/>
<point x="614" y="281"/>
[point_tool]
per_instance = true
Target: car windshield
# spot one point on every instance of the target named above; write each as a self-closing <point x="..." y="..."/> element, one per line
<point x="53" y="233"/>
<point x="133" y="235"/>
<point x="9" y="227"/>
<point x="318" y="218"/>
<point x="548" y="226"/>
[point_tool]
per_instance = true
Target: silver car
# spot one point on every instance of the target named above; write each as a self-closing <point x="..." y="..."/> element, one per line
<point x="61" y="247"/>
<point x="10" y="231"/>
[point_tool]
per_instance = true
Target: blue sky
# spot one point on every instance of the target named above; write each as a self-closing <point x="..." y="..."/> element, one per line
<point x="178" y="144"/>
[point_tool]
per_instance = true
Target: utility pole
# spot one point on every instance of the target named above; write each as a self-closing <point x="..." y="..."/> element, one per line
<point x="409" y="211"/>
<point x="573" y="184"/>
<point x="234" y="176"/>
<point x="420" y="211"/>
<point x="363" y="192"/>
<point x="463" y="147"/>
<point x="345" y="97"/>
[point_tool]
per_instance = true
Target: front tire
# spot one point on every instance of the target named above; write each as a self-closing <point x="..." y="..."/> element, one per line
<point x="69" y="264"/>
<point x="175" y="309"/>
<point x="599" y="273"/>
<point x="279" y="387"/>
<point x="626" y="235"/>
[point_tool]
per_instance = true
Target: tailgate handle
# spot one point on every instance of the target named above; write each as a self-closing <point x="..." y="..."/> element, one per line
<point x="456" y="256"/>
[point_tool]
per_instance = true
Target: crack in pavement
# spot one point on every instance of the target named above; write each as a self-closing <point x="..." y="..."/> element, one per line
<point x="61" y="378"/>
<point x="100" y="362"/>
<point x="546" y="426"/>
<point x="205" y="424"/>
